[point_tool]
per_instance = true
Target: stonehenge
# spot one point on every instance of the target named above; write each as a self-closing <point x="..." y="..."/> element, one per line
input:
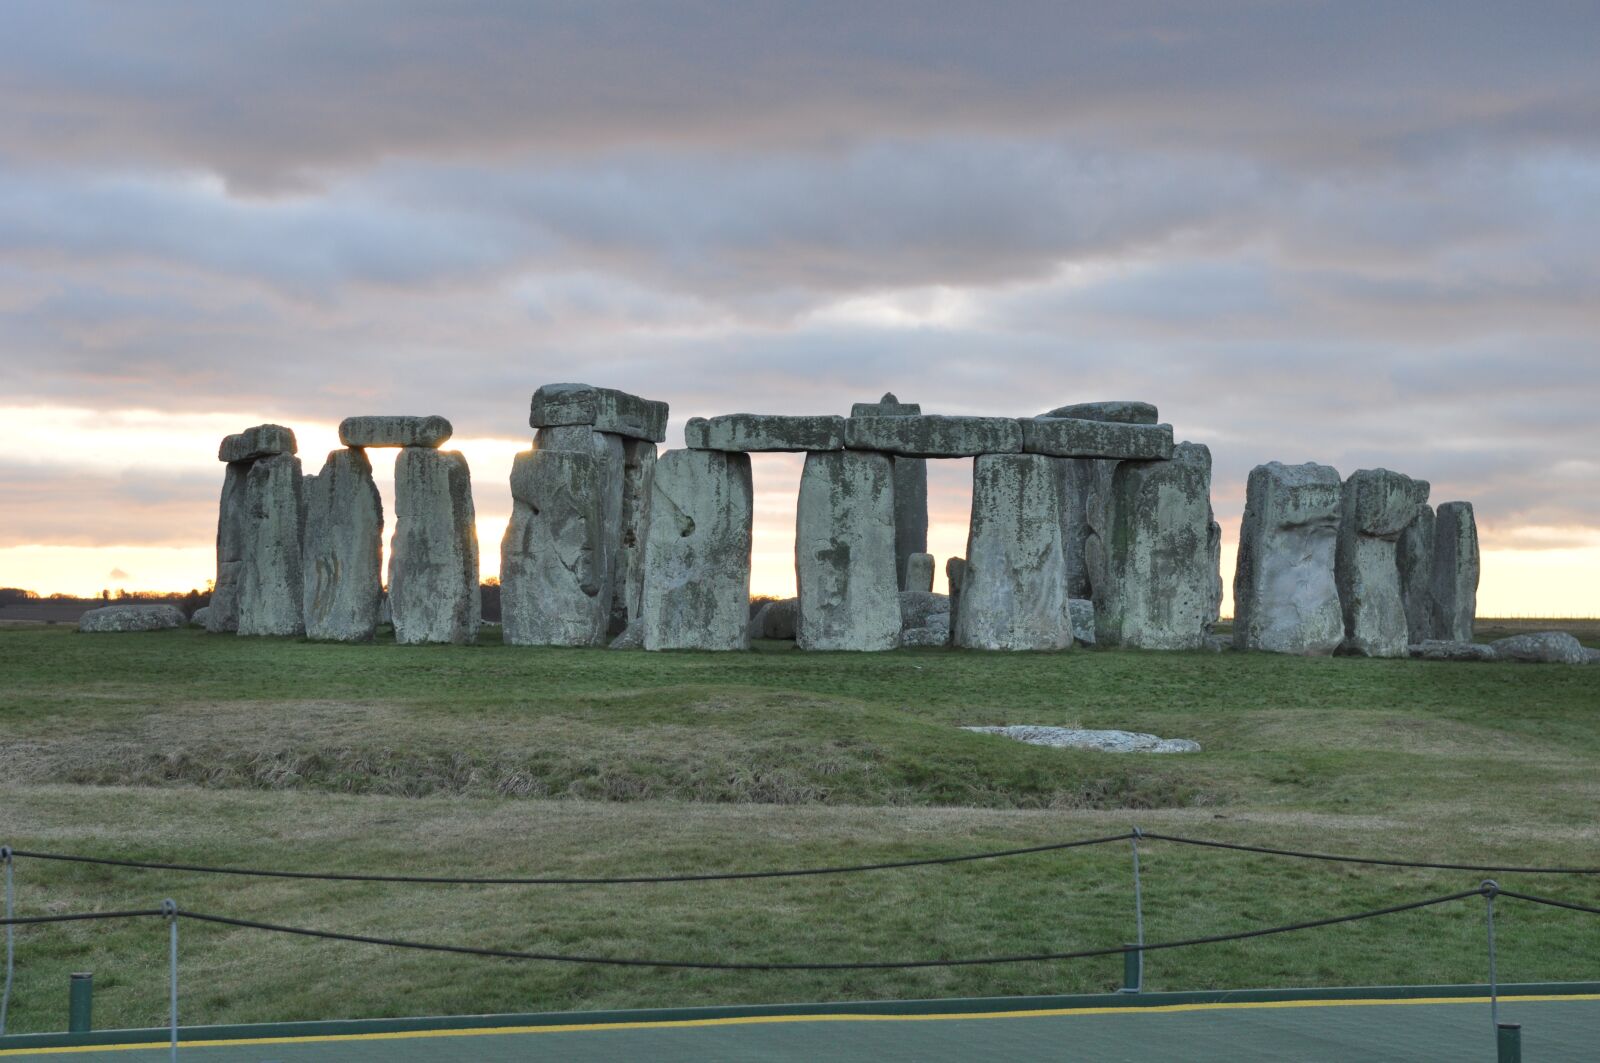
<point x="1089" y="525"/>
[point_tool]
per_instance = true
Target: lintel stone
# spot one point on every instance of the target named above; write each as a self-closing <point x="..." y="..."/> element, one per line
<point x="934" y="435"/>
<point x="1072" y="437"/>
<point x="606" y="409"/>
<point x="1121" y="411"/>
<point x="756" y="432"/>
<point x="262" y="441"/>
<point x="394" y="431"/>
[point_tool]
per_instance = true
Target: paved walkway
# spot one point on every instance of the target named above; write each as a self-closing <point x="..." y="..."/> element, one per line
<point x="1404" y="1031"/>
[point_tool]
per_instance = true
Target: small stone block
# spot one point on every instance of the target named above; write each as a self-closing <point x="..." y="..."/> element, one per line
<point x="261" y="441"/>
<point x="606" y="409"/>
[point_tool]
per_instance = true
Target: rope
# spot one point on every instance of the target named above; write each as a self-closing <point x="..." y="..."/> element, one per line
<point x="78" y="917"/>
<point x="1551" y="901"/>
<point x="1269" y="851"/>
<point x="713" y="876"/>
<point x="468" y="950"/>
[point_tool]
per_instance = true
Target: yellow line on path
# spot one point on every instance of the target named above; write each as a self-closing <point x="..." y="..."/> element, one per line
<point x="760" y="1020"/>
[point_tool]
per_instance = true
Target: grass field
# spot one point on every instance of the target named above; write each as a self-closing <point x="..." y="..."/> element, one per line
<point x="496" y="760"/>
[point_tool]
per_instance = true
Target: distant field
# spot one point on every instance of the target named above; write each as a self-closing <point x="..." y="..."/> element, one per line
<point x="505" y="760"/>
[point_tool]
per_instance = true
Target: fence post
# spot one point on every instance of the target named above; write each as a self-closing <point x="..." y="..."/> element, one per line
<point x="169" y="908"/>
<point x="11" y="939"/>
<point x="80" y="1002"/>
<point x="1133" y="961"/>
<point x="1490" y="887"/>
<point x="1508" y="1042"/>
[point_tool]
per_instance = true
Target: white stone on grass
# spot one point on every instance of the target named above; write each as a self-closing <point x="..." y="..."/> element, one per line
<point x="140" y="617"/>
<point x="1543" y="647"/>
<point x="1097" y="741"/>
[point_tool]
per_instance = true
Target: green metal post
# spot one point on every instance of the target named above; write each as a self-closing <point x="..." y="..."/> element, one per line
<point x="1132" y="970"/>
<point x="1508" y="1041"/>
<point x="80" y="1002"/>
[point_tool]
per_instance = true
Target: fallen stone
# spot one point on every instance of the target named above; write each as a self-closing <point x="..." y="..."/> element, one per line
<point x="343" y="552"/>
<point x="1117" y="411"/>
<point x="605" y="409"/>
<point x="264" y="440"/>
<point x="233" y="536"/>
<point x="697" y="552"/>
<point x="844" y="553"/>
<point x="632" y="637"/>
<point x="1544" y="647"/>
<point x="1098" y="741"/>
<point x="1414" y="565"/>
<point x="1450" y="650"/>
<point x="933" y="635"/>
<point x="433" y="565"/>
<point x="1082" y="612"/>
<point x="1285" y="599"/>
<point x="271" y="584"/>
<point x="1454" y="592"/>
<point x="1376" y="506"/>
<point x="1013" y="594"/>
<point x="1160" y="583"/>
<point x="749" y="433"/>
<point x="394" y="431"/>
<point x="934" y="436"/>
<point x="923" y="608"/>
<point x="200" y="616"/>
<point x="553" y="587"/>
<point x="1064" y="437"/>
<point x="775" y="620"/>
<point x="918" y="573"/>
<point x="1592" y="655"/>
<point x="888" y="406"/>
<point x="1217" y="644"/>
<point x="144" y="617"/>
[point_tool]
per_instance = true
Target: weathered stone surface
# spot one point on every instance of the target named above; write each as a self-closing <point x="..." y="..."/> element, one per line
<point x="924" y="619"/>
<point x="755" y="432"/>
<point x="918" y="573"/>
<point x="271" y="585"/>
<point x="697" y="552"/>
<point x="1449" y="650"/>
<point x="775" y="620"/>
<point x="631" y="638"/>
<point x="553" y="587"/>
<point x="1414" y="562"/>
<point x="934" y="436"/>
<point x="1086" y="486"/>
<point x="143" y="617"/>
<point x="201" y="615"/>
<point x="1376" y="505"/>
<point x="888" y="406"/>
<point x="638" y="470"/>
<point x="1454" y="594"/>
<point x="433" y="567"/>
<point x="1544" y="647"/>
<point x="1098" y="741"/>
<point x="1119" y="411"/>
<point x="1065" y="437"/>
<point x="233" y="533"/>
<point x="1160" y="582"/>
<point x="343" y="553"/>
<point x="261" y="441"/>
<point x="1285" y="599"/>
<point x="605" y="409"/>
<point x="1082" y="613"/>
<point x="910" y="487"/>
<point x="955" y="573"/>
<point x="1014" y="592"/>
<point x="1593" y="656"/>
<point x="1214" y="550"/>
<point x="844" y="553"/>
<point x="394" y="431"/>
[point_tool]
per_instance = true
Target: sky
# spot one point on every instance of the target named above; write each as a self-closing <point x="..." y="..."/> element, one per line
<point x="1362" y="234"/>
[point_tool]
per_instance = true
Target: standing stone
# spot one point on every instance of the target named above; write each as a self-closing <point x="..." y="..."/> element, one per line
<point x="918" y="574"/>
<point x="1161" y="583"/>
<point x="1285" y="599"/>
<point x="1014" y="592"/>
<point x="638" y="471"/>
<point x="1214" y="541"/>
<point x="910" y="486"/>
<point x="271" y="586"/>
<point x="1455" y="572"/>
<point x="844" y="553"/>
<point x="343" y="555"/>
<point x="697" y="552"/>
<point x="1414" y="562"/>
<point x="610" y="453"/>
<point x="433" y="567"/>
<point x="955" y="574"/>
<point x="1376" y="505"/>
<point x="553" y="587"/>
<point x="233" y="524"/>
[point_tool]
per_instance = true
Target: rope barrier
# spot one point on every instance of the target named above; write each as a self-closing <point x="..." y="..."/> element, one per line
<point x="725" y="876"/>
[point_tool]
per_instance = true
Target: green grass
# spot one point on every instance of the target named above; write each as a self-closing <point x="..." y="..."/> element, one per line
<point x="503" y="760"/>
